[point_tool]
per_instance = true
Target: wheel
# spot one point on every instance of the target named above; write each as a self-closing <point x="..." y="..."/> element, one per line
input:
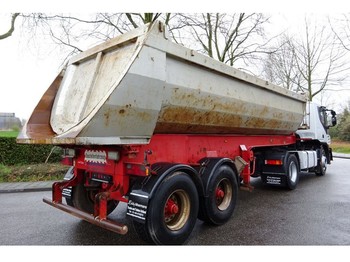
<point x="322" y="164"/>
<point x="172" y="211"/>
<point x="142" y="232"/>
<point x="84" y="199"/>
<point x="219" y="206"/>
<point x="292" y="171"/>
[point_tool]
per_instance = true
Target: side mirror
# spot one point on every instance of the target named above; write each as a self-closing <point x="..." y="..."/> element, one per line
<point x="334" y="118"/>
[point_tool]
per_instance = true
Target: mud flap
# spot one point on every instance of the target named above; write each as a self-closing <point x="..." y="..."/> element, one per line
<point x="137" y="206"/>
<point x="67" y="192"/>
<point x="274" y="173"/>
<point x="274" y="179"/>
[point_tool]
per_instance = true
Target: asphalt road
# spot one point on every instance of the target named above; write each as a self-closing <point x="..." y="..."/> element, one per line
<point x="316" y="213"/>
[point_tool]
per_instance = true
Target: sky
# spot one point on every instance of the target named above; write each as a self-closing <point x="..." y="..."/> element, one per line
<point x="29" y="67"/>
<point x="25" y="75"/>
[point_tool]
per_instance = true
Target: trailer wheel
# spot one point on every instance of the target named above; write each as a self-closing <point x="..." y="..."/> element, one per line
<point x="84" y="199"/>
<point x="322" y="164"/>
<point x="219" y="206"/>
<point x="292" y="172"/>
<point x="172" y="211"/>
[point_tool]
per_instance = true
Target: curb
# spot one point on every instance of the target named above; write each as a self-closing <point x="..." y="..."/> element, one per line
<point x="22" y="190"/>
<point x="339" y="155"/>
<point x="19" y="187"/>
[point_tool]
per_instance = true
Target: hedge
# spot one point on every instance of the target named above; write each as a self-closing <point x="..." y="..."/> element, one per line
<point x="12" y="153"/>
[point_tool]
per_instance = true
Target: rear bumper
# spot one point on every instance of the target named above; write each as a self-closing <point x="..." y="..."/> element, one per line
<point x="105" y="223"/>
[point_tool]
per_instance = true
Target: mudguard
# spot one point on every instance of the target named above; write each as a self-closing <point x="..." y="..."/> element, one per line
<point x="208" y="168"/>
<point x="144" y="189"/>
<point x="275" y="175"/>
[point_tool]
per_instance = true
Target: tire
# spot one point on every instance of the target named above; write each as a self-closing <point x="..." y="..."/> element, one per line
<point x="142" y="232"/>
<point x="84" y="199"/>
<point x="220" y="204"/>
<point x="172" y="211"/>
<point x="292" y="172"/>
<point x="322" y="164"/>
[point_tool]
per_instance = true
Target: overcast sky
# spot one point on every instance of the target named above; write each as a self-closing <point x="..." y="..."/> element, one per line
<point x="25" y="75"/>
<point x="28" y="69"/>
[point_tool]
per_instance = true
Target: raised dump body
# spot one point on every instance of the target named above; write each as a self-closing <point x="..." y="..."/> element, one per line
<point x="140" y="83"/>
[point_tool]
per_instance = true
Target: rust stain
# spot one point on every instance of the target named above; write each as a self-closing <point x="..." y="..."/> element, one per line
<point x="189" y="120"/>
<point x="107" y="114"/>
<point x="144" y="116"/>
<point x="122" y="115"/>
<point x="197" y="111"/>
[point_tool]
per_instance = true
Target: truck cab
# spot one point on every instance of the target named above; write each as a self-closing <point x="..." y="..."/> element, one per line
<point x="316" y="123"/>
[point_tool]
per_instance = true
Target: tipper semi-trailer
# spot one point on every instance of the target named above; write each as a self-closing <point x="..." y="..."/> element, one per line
<point x="171" y="133"/>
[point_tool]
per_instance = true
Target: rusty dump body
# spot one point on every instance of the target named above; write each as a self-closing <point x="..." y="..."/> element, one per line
<point x="140" y="83"/>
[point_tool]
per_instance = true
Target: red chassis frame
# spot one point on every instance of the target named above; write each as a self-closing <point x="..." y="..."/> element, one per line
<point x="136" y="160"/>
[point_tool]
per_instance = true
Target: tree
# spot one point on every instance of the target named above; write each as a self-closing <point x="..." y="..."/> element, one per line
<point x="225" y="37"/>
<point x="145" y="18"/>
<point x="280" y="65"/>
<point x="341" y="28"/>
<point x="342" y="129"/>
<point x="317" y="58"/>
<point x="75" y="33"/>
<point x="12" y="27"/>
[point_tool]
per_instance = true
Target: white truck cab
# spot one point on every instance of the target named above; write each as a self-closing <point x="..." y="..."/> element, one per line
<point x="316" y="123"/>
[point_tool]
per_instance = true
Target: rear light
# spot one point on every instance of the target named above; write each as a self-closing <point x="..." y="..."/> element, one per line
<point x="138" y="169"/>
<point x="274" y="162"/>
<point x="68" y="152"/>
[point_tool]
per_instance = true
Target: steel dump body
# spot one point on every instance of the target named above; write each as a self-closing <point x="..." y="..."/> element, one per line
<point x="140" y="84"/>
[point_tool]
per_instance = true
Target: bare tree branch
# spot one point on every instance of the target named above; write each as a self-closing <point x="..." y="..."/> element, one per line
<point x="225" y="37"/>
<point x="315" y="61"/>
<point x="343" y="34"/>
<point x="131" y="20"/>
<point x="12" y="27"/>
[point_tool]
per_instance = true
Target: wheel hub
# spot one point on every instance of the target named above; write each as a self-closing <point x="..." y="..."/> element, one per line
<point x="223" y="194"/>
<point x="220" y="193"/>
<point x="177" y="210"/>
<point x="171" y="208"/>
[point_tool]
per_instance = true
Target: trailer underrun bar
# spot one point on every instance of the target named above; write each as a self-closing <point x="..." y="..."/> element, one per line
<point x="105" y="223"/>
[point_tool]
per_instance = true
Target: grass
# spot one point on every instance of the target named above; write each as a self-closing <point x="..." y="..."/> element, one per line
<point x="32" y="173"/>
<point x="340" y="147"/>
<point x="9" y="133"/>
<point x="4" y="172"/>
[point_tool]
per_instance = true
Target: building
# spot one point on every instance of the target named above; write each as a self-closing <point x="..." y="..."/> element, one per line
<point x="9" y="121"/>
